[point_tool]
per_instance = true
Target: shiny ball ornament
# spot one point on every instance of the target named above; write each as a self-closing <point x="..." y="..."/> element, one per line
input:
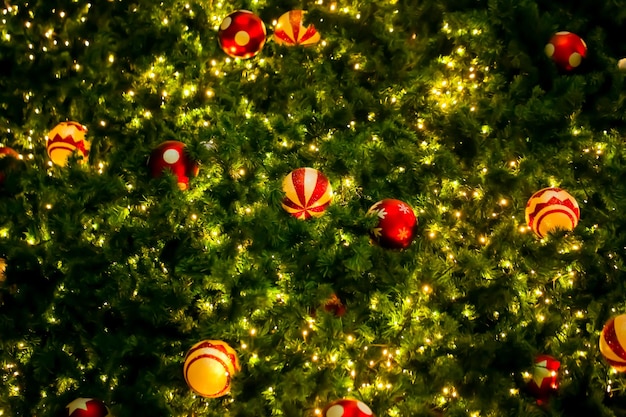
<point x="290" y="30"/>
<point x="567" y="50"/>
<point x="551" y="209"/>
<point x="242" y="34"/>
<point x="307" y="193"/>
<point x="544" y="380"/>
<point x="347" y="408"/>
<point x="397" y="224"/>
<point x="613" y="342"/>
<point x="9" y="160"/>
<point x="65" y="139"/>
<point x="209" y="367"/>
<point x="335" y="306"/>
<point x="171" y="156"/>
<point x="87" y="407"/>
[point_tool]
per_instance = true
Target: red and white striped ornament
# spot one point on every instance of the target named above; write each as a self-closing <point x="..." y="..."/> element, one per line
<point x="613" y="342"/>
<point x="290" y="30"/>
<point x="65" y="139"/>
<point x="242" y="34"/>
<point x="397" y="224"/>
<point x="347" y="407"/>
<point x="87" y="407"/>
<point x="307" y="193"/>
<point x="551" y="209"/>
<point x="209" y="367"/>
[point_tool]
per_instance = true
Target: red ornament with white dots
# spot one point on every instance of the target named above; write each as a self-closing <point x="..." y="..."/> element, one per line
<point x="347" y="407"/>
<point x="171" y="156"/>
<point x="87" y="407"/>
<point x="567" y="50"/>
<point x="397" y="224"/>
<point x="242" y="34"/>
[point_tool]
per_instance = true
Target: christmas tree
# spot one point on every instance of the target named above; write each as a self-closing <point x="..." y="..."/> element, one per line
<point x="153" y="197"/>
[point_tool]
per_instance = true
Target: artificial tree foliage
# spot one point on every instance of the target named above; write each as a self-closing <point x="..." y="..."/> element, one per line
<point x="450" y="106"/>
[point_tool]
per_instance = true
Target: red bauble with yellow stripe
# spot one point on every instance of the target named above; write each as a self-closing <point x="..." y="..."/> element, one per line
<point x="209" y="367"/>
<point x="551" y="209"/>
<point x="613" y="342"/>
<point x="291" y="30"/>
<point x="307" y="193"/>
<point x="65" y="139"/>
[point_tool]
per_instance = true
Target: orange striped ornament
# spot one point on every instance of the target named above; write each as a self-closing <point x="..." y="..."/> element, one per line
<point x="65" y="139"/>
<point x="307" y="193"/>
<point x="613" y="342"/>
<point x="290" y="30"/>
<point x="209" y="366"/>
<point x="551" y="209"/>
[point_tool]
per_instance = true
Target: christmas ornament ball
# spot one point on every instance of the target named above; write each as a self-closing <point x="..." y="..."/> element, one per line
<point x="335" y="306"/>
<point x="613" y="342"/>
<point x="171" y="156"/>
<point x="566" y="49"/>
<point x="307" y="193"/>
<point x="551" y="209"/>
<point x="544" y="379"/>
<point x="65" y="139"/>
<point x="242" y="34"/>
<point x="291" y="30"/>
<point x="397" y="224"/>
<point x="209" y="366"/>
<point x="87" y="407"/>
<point x="347" y="407"/>
<point x="9" y="160"/>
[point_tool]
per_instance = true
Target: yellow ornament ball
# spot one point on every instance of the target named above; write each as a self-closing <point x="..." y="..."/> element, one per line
<point x="65" y="139"/>
<point x="209" y="367"/>
<point x="551" y="209"/>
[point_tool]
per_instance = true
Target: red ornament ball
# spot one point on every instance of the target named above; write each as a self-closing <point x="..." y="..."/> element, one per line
<point x="544" y="380"/>
<point x="567" y="50"/>
<point x="397" y="224"/>
<point x="613" y="342"/>
<point x="171" y="156"/>
<point x="347" y="408"/>
<point x="551" y="209"/>
<point x="9" y="160"/>
<point x="242" y="34"/>
<point x="335" y="306"/>
<point x="307" y="193"/>
<point x="291" y="30"/>
<point x="87" y="407"/>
